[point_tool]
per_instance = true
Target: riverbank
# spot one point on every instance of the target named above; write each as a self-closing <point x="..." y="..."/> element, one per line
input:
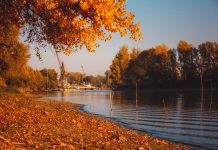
<point x="28" y="122"/>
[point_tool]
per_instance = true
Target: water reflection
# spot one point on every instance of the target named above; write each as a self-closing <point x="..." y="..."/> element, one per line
<point x="211" y="99"/>
<point x="185" y="116"/>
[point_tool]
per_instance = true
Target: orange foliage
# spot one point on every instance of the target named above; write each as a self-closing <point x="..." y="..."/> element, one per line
<point x="184" y="46"/>
<point x="68" y="24"/>
<point x="27" y="122"/>
<point x="161" y="49"/>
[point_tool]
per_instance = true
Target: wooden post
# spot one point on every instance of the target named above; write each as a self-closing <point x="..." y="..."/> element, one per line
<point x="202" y="86"/>
<point x="211" y="96"/>
<point x="136" y="98"/>
<point x="164" y="106"/>
<point x="110" y="103"/>
<point x="136" y="95"/>
<point x="47" y="82"/>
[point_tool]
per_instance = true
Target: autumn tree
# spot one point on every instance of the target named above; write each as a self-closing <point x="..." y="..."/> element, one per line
<point x="175" y="68"/>
<point x="98" y="81"/>
<point x="137" y="68"/>
<point x="75" y="77"/>
<point x="134" y="53"/>
<point x="208" y="61"/>
<point x="90" y="79"/>
<point x="129" y="77"/>
<point x="188" y="56"/>
<point x="13" y="61"/>
<point x="164" y="67"/>
<point x="119" y="65"/>
<point x="101" y="81"/>
<point x="33" y="78"/>
<point x="13" y="56"/>
<point x="69" y="24"/>
<point x="152" y="67"/>
<point x="52" y="77"/>
<point x="160" y="67"/>
<point x="107" y="78"/>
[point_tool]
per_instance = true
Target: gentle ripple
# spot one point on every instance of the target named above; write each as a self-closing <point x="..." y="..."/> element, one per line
<point x="184" y="116"/>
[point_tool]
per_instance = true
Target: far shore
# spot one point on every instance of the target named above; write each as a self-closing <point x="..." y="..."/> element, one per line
<point x="30" y="122"/>
<point x="167" y="88"/>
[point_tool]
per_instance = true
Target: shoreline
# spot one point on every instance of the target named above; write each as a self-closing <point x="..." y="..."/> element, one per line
<point x="28" y="121"/>
<point x="143" y="132"/>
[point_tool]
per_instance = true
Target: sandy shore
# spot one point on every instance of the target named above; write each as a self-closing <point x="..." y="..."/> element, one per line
<point x="28" y="122"/>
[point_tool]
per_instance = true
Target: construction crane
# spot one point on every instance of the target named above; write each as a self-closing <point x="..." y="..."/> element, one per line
<point x="63" y="78"/>
<point x="83" y="72"/>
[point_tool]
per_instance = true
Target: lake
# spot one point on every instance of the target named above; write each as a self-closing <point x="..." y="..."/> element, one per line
<point x="188" y="117"/>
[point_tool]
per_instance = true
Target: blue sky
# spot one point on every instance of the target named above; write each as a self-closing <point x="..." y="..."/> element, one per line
<point x="162" y="21"/>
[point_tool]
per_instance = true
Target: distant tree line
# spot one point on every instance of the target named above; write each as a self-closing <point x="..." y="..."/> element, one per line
<point x="14" y="71"/>
<point x="185" y="66"/>
<point x="161" y="67"/>
<point x="81" y="78"/>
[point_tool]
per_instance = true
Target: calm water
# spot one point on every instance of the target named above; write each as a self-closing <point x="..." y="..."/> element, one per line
<point x="186" y="117"/>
